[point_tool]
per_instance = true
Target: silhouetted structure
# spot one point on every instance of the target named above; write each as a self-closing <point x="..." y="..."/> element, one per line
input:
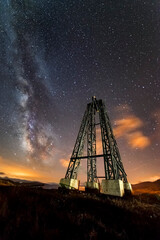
<point x="115" y="179"/>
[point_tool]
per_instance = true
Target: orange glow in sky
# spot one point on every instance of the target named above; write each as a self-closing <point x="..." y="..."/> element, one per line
<point x="26" y="173"/>
<point x="23" y="172"/>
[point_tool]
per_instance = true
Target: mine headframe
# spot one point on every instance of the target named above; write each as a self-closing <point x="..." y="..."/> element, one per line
<point x="112" y="160"/>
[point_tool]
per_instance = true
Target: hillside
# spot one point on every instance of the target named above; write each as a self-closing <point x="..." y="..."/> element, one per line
<point x="147" y="187"/>
<point x="35" y="213"/>
<point x="25" y="183"/>
<point x="6" y="182"/>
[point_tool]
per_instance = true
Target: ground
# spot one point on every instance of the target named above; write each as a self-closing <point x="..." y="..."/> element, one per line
<point x="37" y="213"/>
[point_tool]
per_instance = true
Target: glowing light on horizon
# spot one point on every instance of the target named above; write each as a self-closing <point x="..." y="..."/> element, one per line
<point x="13" y="170"/>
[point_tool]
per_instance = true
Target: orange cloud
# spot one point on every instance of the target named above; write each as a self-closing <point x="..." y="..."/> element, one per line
<point x="126" y="125"/>
<point x="138" y="140"/>
<point x="128" y="128"/>
<point x="64" y="162"/>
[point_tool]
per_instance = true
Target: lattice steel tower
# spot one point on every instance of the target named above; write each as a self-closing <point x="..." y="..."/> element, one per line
<point x="115" y="179"/>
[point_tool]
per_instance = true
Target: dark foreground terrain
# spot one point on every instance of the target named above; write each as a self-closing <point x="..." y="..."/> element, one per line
<point x="50" y="214"/>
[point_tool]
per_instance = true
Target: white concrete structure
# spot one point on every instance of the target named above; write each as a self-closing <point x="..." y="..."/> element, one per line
<point x="112" y="187"/>
<point x="128" y="187"/>
<point x="92" y="185"/>
<point x="69" y="183"/>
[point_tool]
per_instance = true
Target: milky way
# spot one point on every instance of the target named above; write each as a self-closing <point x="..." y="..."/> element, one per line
<point x="36" y="133"/>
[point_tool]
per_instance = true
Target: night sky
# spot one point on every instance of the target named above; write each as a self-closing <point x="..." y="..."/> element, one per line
<point x="54" y="56"/>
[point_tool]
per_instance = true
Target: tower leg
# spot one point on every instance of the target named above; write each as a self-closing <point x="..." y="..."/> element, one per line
<point x="69" y="183"/>
<point x="128" y="188"/>
<point x="91" y="185"/>
<point x="112" y="187"/>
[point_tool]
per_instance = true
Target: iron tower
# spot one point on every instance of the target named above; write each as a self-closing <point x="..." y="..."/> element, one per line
<point x="115" y="175"/>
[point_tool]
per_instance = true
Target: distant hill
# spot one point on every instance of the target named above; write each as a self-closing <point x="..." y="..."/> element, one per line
<point x="147" y="187"/>
<point x="50" y="186"/>
<point x="6" y="182"/>
<point x="25" y="183"/>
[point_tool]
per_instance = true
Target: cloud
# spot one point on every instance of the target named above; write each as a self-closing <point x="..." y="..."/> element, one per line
<point x="64" y="162"/>
<point x="126" y="125"/>
<point x="2" y="173"/>
<point x="129" y="129"/>
<point x="138" y="140"/>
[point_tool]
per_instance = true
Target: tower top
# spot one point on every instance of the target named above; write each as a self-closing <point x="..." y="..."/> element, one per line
<point x="93" y="98"/>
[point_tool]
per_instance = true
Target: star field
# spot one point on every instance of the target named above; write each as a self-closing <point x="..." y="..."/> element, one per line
<point x="55" y="55"/>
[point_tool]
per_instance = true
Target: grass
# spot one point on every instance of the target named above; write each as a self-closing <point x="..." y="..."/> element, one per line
<point x="51" y="214"/>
